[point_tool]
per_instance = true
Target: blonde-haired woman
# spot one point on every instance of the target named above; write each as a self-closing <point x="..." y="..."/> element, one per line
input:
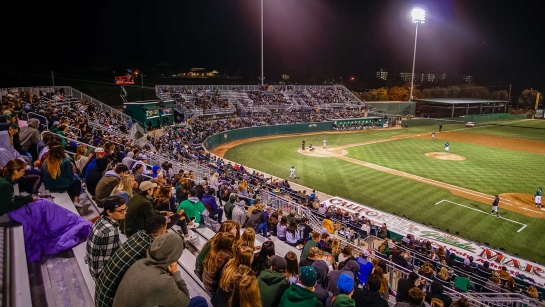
<point x="247" y="239"/>
<point x="125" y="188"/>
<point x="81" y="157"/>
<point x="59" y="173"/>
<point x="243" y="187"/>
<point x="232" y="272"/>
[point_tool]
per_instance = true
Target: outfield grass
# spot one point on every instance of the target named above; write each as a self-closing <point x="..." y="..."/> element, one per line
<point x="526" y="129"/>
<point x="486" y="169"/>
<point x="416" y="200"/>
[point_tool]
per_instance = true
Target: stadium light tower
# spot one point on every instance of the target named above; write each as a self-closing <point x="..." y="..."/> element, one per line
<point x="261" y="42"/>
<point x="419" y="16"/>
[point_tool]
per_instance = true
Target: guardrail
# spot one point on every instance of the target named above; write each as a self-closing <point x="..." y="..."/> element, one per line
<point x="395" y="271"/>
<point x="46" y="124"/>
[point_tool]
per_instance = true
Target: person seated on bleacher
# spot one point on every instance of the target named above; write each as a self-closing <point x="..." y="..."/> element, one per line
<point x="98" y="153"/>
<point x="59" y="173"/>
<point x="133" y="249"/>
<point x="32" y="180"/>
<point x="138" y="172"/>
<point x="156" y="280"/>
<point x="30" y="136"/>
<point x="95" y="174"/>
<point x="103" y="240"/>
<point x="462" y="283"/>
<point x="405" y="284"/>
<point x="272" y="282"/>
<point x="209" y="201"/>
<point x="220" y="253"/>
<point x="128" y="160"/>
<point x="9" y="174"/>
<point x="262" y="260"/>
<point x="494" y="284"/>
<point x="531" y="292"/>
<point x="108" y="182"/>
<point x="437" y="293"/>
<point x="239" y="214"/>
<point x="302" y="292"/>
<point x="140" y="209"/>
<point x="328" y="224"/>
<point x="193" y="208"/>
<point x="81" y="157"/>
<point x="257" y="221"/>
<point x="415" y="298"/>
<point x="125" y="188"/>
<point x="233" y="271"/>
<point x="229" y="206"/>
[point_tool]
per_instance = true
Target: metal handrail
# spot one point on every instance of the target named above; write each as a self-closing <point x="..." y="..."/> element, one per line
<point x="36" y="114"/>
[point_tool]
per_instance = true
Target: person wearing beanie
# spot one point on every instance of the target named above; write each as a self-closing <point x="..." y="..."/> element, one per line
<point x="134" y="249"/>
<point x="345" y="284"/>
<point x="272" y="282"/>
<point x="228" y="208"/>
<point x="301" y="294"/>
<point x="163" y="284"/>
<point x="352" y="267"/>
<point x="30" y="137"/>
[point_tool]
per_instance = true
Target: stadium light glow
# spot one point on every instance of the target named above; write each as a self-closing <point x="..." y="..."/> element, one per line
<point x="419" y="15"/>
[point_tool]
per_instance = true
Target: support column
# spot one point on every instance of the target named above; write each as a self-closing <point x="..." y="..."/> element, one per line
<point x="505" y="107"/>
<point x="493" y="107"/>
<point x="467" y="109"/>
<point x="481" y="108"/>
<point x="452" y="111"/>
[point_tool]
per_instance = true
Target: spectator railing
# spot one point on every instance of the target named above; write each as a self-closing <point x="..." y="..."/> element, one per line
<point x="395" y="271"/>
<point x="43" y="120"/>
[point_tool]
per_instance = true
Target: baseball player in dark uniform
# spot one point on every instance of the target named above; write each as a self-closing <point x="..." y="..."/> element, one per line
<point x="303" y="145"/>
<point x="495" y="206"/>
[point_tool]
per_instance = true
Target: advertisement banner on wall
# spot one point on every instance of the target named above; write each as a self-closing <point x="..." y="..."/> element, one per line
<point x="459" y="246"/>
<point x="539" y="114"/>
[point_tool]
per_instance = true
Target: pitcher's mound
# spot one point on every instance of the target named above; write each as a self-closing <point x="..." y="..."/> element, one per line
<point x="320" y="152"/>
<point x="445" y="156"/>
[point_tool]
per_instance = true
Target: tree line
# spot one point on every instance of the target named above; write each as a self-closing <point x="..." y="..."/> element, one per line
<point x="526" y="98"/>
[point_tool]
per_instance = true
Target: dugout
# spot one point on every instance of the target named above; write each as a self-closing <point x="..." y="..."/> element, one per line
<point x="455" y="107"/>
<point x="158" y="113"/>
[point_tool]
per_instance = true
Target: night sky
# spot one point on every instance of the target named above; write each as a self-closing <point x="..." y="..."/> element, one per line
<point x="302" y="37"/>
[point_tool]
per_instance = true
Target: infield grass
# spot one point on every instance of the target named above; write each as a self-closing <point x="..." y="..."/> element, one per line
<point x="488" y="170"/>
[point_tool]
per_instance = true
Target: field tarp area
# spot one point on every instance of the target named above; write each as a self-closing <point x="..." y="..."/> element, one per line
<point x="476" y="118"/>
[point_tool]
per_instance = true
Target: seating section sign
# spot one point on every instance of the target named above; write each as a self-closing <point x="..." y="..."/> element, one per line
<point x="454" y="244"/>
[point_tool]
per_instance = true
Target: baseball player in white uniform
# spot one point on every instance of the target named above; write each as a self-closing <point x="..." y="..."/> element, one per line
<point x="325" y="141"/>
<point x="292" y="172"/>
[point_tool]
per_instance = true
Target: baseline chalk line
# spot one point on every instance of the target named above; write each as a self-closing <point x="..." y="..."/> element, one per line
<point x="481" y="211"/>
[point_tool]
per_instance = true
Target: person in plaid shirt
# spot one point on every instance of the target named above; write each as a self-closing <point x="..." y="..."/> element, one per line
<point x="103" y="240"/>
<point x="133" y="249"/>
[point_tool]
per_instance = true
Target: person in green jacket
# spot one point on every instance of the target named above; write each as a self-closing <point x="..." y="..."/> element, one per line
<point x="273" y="283"/>
<point x="12" y="171"/>
<point x="462" y="283"/>
<point x="228" y="208"/>
<point x="140" y="209"/>
<point x="315" y="238"/>
<point x="192" y="207"/>
<point x="302" y="292"/>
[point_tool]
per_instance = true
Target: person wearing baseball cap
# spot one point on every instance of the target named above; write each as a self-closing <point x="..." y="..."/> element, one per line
<point x="366" y="267"/>
<point x="99" y="152"/>
<point x="302" y="292"/>
<point x="140" y="210"/>
<point x="272" y="282"/>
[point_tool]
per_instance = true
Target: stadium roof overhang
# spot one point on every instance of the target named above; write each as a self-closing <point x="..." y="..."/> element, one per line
<point x="454" y="101"/>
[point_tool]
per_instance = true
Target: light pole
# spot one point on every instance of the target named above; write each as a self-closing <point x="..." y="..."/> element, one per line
<point x="419" y="16"/>
<point x="261" y="42"/>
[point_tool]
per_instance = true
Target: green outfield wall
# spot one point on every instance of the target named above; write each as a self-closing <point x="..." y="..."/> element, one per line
<point x="476" y="118"/>
<point x="216" y="140"/>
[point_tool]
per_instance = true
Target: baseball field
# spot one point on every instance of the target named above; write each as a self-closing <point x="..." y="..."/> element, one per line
<point x="407" y="173"/>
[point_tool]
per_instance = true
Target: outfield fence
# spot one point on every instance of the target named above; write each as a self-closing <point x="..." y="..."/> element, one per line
<point x="244" y="133"/>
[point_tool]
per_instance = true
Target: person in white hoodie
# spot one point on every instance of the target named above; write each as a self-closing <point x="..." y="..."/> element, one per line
<point x="215" y="184"/>
<point x="128" y="160"/>
<point x="108" y="183"/>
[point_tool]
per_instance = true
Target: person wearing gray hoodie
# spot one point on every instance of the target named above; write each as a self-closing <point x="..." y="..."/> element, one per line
<point x="107" y="183"/>
<point x="164" y="285"/>
<point x="30" y="137"/>
<point x="128" y="160"/>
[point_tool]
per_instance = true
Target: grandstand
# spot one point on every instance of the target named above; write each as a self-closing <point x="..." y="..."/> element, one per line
<point x="200" y="100"/>
<point x="64" y="279"/>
